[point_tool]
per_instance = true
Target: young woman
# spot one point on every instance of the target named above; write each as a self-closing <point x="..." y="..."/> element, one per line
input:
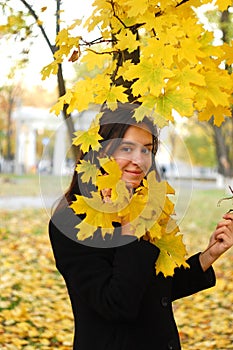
<point x="118" y="301"/>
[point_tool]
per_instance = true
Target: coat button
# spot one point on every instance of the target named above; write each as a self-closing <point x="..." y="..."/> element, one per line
<point x="164" y="301"/>
<point x="170" y="346"/>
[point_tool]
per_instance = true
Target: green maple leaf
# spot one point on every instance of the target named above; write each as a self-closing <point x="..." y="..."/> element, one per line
<point x="180" y="100"/>
<point x="151" y="77"/>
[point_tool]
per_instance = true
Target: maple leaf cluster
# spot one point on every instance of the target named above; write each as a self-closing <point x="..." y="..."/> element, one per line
<point x="177" y="66"/>
<point x="148" y="210"/>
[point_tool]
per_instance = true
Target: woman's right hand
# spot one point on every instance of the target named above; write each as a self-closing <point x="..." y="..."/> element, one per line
<point x="106" y="194"/>
<point x="125" y="224"/>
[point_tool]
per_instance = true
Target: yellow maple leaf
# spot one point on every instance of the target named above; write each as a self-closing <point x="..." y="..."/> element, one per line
<point x="133" y="211"/>
<point x="126" y="40"/>
<point x="98" y="214"/>
<point x="158" y="49"/>
<point x="62" y="37"/>
<point x="147" y="108"/>
<point x="187" y="75"/>
<point x="88" y="169"/>
<point x="65" y="99"/>
<point x="190" y="55"/>
<point x="147" y="207"/>
<point x="57" y="108"/>
<point x="220" y="113"/>
<point x="111" y="178"/>
<point x="141" y="112"/>
<point x="227" y="49"/>
<point x="111" y="94"/>
<point x="139" y="9"/>
<point x="87" y="138"/>
<point x="93" y="59"/>
<point x="102" y="12"/>
<point x="82" y="95"/>
<point x="51" y="68"/>
<point x="76" y="23"/>
<point x="223" y="4"/>
<point x="216" y="88"/>
<point x="172" y="254"/>
<point x="154" y="232"/>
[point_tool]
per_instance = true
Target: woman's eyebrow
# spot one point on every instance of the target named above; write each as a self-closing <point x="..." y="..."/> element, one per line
<point x="131" y="143"/>
<point x="128" y="143"/>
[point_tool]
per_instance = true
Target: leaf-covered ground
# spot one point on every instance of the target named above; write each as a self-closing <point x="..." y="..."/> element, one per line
<point x="35" y="310"/>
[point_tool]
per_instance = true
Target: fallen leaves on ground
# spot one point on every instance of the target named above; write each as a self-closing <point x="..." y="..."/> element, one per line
<point x="205" y="319"/>
<point x="35" y="309"/>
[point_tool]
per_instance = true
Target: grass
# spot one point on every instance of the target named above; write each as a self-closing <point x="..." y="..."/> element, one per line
<point x="201" y="216"/>
<point x="32" y="185"/>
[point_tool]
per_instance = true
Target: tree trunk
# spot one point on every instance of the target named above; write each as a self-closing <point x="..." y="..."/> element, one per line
<point x="224" y="166"/>
<point x="223" y="135"/>
<point x="60" y="78"/>
<point x="67" y="117"/>
<point x="9" y="154"/>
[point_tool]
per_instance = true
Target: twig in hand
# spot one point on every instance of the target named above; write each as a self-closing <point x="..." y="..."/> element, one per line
<point x="217" y="241"/>
<point x="226" y="198"/>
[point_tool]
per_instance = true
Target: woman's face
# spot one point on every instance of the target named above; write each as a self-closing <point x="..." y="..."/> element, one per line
<point x="134" y="154"/>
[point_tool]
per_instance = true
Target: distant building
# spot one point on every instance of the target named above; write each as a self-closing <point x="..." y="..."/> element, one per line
<point x="29" y="121"/>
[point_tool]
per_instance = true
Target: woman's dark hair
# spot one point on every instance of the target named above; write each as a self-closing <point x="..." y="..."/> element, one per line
<point x="113" y="126"/>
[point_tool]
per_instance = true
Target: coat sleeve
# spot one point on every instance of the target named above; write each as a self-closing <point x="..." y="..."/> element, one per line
<point x="192" y="280"/>
<point x="110" y="281"/>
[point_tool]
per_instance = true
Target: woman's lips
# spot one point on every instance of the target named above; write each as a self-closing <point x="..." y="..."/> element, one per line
<point x="134" y="172"/>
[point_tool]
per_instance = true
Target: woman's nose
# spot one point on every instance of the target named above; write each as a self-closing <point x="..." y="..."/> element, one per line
<point x="137" y="157"/>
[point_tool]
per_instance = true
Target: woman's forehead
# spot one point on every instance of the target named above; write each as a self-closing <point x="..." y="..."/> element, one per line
<point x="141" y="129"/>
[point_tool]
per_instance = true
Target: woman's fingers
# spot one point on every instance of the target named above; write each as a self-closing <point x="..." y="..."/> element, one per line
<point x="106" y="194"/>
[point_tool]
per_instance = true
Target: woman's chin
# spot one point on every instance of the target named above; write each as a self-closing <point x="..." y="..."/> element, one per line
<point x="132" y="183"/>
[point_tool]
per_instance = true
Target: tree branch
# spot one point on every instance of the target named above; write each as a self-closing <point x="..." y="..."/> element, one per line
<point x="36" y="17"/>
<point x="181" y="3"/>
<point x="95" y="42"/>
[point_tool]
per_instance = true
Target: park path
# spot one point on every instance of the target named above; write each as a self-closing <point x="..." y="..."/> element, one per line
<point x="23" y="202"/>
<point x="20" y="202"/>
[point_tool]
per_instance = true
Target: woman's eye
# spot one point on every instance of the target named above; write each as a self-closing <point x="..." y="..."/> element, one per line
<point x="126" y="149"/>
<point x="146" y="151"/>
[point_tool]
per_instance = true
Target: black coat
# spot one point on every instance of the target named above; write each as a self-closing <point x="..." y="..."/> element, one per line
<point x="118" y="301"/>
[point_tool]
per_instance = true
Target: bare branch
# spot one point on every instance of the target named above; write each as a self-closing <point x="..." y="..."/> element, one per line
<point x="105" y="52"/>
<point x="95" y="42"/>
<point x="181" y="3"/>
<point x="36" y="17"/>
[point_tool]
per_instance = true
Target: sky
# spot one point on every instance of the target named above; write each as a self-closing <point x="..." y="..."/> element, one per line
<point x="39" y="54"/>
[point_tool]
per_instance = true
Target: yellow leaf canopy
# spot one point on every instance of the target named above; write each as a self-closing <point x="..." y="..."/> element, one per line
<point x="161" y="48"/>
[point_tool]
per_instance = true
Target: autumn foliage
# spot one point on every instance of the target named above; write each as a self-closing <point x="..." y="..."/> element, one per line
<point x="159" y="55"/>
<point x="160" y="49"/>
